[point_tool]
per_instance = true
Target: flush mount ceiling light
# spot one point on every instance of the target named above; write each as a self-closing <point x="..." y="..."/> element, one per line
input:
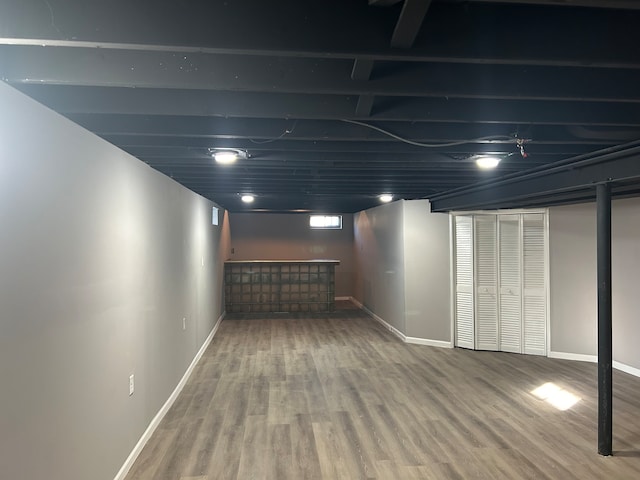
<point x="247" y="198"/>
<point x="385" y="197"/>
<point x="487" y="163"/>
<point x="226" y="156"/>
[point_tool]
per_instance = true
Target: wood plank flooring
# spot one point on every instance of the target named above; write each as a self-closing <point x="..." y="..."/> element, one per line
<point x="337" y="396"/>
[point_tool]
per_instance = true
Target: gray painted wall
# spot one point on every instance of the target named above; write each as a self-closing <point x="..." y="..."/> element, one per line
<point x="572" y="250"/>
<point x="626" y="281"/>
<point x="427" y="272"/>
<point x="379" y="252"/>
<point x="271" y="236"/>
<point x="100" y="259"/>
<point x="572" y="279"/>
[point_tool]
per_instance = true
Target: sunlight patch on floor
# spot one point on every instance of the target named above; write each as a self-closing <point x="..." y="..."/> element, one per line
<point x="556" y="396"/>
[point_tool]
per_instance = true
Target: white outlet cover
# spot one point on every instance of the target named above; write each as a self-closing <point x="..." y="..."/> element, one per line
<point x="184" y="323"/>
<point x="131" y="384"/>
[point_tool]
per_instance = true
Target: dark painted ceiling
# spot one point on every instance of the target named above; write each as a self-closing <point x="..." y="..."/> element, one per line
<point x="334" y="101"/>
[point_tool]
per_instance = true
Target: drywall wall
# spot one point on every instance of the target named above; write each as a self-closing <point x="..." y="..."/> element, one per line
<point x="379" y="253"/>
<point x="427" y="269"/>
<point x="573" y="279"/>
<point x="273" y="236"/>
<point x="625" y="265"/>
<point x="101" y="258"/>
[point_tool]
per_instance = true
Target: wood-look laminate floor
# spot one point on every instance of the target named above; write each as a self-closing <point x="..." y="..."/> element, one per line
<point x="339" y="397"/>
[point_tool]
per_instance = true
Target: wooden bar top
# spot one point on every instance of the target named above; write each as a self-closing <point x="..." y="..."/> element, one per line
<point x="314" y="261"/>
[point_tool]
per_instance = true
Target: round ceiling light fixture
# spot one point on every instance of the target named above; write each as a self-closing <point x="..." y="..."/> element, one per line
<point x="385" y="197"/>
<point x="487" y="163"/>
<point x="227" y="156"/>
<point x="247" y="198"/>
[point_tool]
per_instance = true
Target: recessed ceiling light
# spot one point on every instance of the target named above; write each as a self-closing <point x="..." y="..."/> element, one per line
<point x="487" y="163"/>
<point x="385" y="197"/>
<point x="248" y="198"/>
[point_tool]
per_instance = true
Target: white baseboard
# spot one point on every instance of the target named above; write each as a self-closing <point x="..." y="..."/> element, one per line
<point x="385" y="324"/>
<point x="573" y="356"/>
<point x="594" y="359"/>
<point x="124" y="470"/>
<point x="399" y="334"/>
<point x="626" y="369"/>
<point x="428" y="342"/>
<point x="356" y="303"/>
<point x="343" y="298"/>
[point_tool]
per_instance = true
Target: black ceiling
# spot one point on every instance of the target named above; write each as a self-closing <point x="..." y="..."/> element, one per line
<point x="330" y="98"/>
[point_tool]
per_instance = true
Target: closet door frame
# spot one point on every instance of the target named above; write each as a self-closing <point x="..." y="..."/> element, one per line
<point x="521" y="212"/>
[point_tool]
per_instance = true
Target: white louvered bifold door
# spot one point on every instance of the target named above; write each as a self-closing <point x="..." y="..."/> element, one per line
<point x="486" y="282"/>
<point x="510" y="327"/>
<point x="534" y="284"/>
<point x="464" y="282"/>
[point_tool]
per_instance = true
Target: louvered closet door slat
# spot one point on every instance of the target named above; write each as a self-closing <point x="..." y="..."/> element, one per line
<point x="534" y="291"/>
<point x="510" y="325"/>
<point x="486" y="318"/>
<point x="464" y="310"/>
<point x="464" y="320"/>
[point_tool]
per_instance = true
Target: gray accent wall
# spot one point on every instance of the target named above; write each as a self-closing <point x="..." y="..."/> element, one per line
<point x="101" y="258"/>
<point x="403" y="268"/>
<point x="572" y="279"/>
<point x="379" y="252"/>
<point x="572" y="250"/>
<point x="274" y="236"/>
<point x="427" y="267"/>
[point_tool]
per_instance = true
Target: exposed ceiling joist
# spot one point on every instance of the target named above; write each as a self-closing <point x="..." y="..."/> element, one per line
<point x="324" y="107"/>
<point x="383" y="3"/>
<point x="452" y="32"/>
<point x="168" y="84"/>
<point x="362" y="68"/>
<point x="409" y="23"/>
<point x="568" y="180"/>
<point x="94" y="67"/>
<point x="607" y="4"/>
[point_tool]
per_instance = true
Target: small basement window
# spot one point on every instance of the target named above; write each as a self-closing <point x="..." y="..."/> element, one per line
<point x="326" y="221"/>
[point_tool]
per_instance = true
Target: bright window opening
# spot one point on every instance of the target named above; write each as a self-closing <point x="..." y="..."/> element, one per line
<point x="214" y="216"/>
<point x="326" y="221"/>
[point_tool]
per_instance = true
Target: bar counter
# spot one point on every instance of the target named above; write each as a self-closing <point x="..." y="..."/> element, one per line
<point x="254" y="286"/>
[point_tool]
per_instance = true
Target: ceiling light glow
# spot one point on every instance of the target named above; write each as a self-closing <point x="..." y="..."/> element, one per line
<point x="248" y="198"/>
<point x="385" y="197"/>
<point x="225" y="157"/>
<point x="487" y="163"/>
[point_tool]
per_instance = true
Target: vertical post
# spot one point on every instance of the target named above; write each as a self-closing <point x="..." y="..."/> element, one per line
<point x="605" y="358"/>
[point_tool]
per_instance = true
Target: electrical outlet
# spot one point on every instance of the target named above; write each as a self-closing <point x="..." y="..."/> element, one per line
<point x="131" y="385"/>
<point x="184" y="323"/>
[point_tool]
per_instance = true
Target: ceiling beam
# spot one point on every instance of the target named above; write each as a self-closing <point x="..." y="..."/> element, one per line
<point x="364" y="105"/>
<point x="124" y="101"/>
<point x="362" y="68"/>
<point x="542" y="185"/>
<point x="409" y="23"/>
<point x="606" y="4"/>
<point x="383" y="3"/>
<point x="329" y="135"/>
<point x="328" y="107"/>
<point x="484" y="32"/>
<point x="114" y="68"/>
